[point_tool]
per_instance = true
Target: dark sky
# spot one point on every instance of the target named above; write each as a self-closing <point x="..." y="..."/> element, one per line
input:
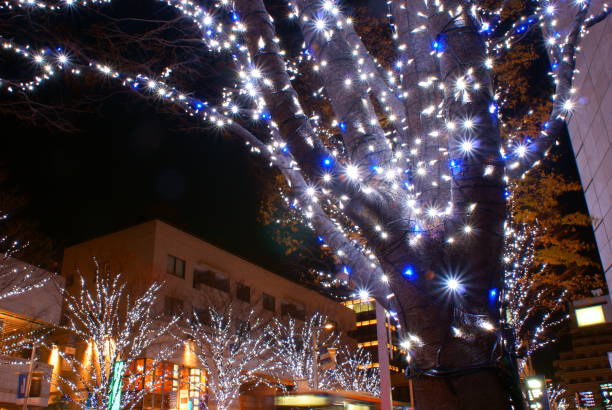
<point x="127" y="165"/>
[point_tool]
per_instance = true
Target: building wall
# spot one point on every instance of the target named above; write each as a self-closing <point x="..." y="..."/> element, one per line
<point x="141" y="253"/>
<point x="40" y="306"/>
<point x="44" y="303"/>
<point x="590" y="128"/>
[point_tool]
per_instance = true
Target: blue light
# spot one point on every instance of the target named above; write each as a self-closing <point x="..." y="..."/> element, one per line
<point x="455" y="165"/>
<point x="346" y="270"/>
<point x="506" y="193"/>
<point x="265" y="116"/>
<point x="285" y="149"/>
<point x="234" y="16"/>
<point x="320" y="239"/>
<point x="342" y="126"/>
<point x="555" y="65"/>
<point x="493" y="296"/>
<point x="328" y="162"/>
<point x="135" y="85"/>
<point x="438" y="44"/>
<point x="409" y="273"/>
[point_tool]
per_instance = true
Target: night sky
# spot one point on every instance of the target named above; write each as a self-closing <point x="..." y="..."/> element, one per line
<point x="127" y="165"/>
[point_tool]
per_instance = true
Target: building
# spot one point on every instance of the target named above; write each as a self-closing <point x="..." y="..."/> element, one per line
<point x="195" y="274"/>
<point x="372" y="328"/>
<point x="585" y="371"/>
<point x="20" y="315"/>
<point x="590" y="126"/>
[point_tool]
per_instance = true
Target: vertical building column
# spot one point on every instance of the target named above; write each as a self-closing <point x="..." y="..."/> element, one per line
<point x="383" y="357"/>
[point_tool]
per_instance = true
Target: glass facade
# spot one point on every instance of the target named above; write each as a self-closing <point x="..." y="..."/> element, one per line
<point x="171" y="386"/>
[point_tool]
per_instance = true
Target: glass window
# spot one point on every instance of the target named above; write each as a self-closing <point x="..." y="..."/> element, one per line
<point x="292" y="310"/>
<point x="209" y="278"/>
<point x="269" y="303"/>
<point x="175" y="266"/>
<point x="243" y="292"/>
<point x="35" y="385"/>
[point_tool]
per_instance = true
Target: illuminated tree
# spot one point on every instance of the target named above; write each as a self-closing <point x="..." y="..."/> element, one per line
<point x="293" y="347"/>
<point x="234" y="350"/>
<point x="110" y="331"/>
<point x="547" y="262"/>
<point x="401" y="171"/>
<point x="353" y="372"/>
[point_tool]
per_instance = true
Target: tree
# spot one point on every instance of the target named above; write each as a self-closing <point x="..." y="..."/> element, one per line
<point x="233" y="350"/>
<point x="353" y="372"/>
<point x="294" y="344"/>
<point x="404" y="179"/>
<point x="548" y="262"/>
<point x="110" y="331"/>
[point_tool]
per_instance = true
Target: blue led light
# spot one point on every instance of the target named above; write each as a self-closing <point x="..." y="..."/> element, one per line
<point x="346" y="270"/>
<point x="408" y="272"/>
<point x="328" y="162"/>
<point x="342" y="126"/>
<point x="265" y="116"/>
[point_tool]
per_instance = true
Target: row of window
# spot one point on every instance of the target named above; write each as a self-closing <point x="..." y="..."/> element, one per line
<point x="594" y="366"/>
<point x="587" y="379"/>
<point x="216" y="280"/>
<point x="174" y="306"/>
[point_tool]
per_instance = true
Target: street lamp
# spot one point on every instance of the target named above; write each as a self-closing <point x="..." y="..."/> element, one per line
<point x="315" y="352"/>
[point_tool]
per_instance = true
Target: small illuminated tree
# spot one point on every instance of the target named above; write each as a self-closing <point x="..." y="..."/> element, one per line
<point x="294" y="343"/>
<point x="115" y="330"/>
<point x="234" y="351"/>
<point x="353" y="372"/>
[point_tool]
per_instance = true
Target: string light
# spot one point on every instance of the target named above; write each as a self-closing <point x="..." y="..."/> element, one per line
<point x="390" y="159"/>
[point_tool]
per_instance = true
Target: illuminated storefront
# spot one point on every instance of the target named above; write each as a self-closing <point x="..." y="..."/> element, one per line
<point x="172" y="386"/>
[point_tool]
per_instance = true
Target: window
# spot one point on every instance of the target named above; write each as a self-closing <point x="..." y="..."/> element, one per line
<point x="591" y="315"/>
<point x="35" y="385"/>
<point x="292" y="310"/>
<point x="269" y="303"/>
<point x="243" y="292"/>
<point x="209" y="278"/>
<point x="173" y="306"/>
<point x="203" y="316"/>
<point x="176" y="266"/>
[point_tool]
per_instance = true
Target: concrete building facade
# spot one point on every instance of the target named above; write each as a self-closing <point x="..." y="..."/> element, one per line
<point x="590" y="126"/>
<point x="584" y="371"/>
<point x="195" y="275"/>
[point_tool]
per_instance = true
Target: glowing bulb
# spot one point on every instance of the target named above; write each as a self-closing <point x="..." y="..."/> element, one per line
<point x="364" y="294"/>
<point x="320" y="24"/>
<point x="352" y="172"/>
<point x="453" y="284"/>
<point x="521" y="151"/>
<point x="467" y="146"/>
